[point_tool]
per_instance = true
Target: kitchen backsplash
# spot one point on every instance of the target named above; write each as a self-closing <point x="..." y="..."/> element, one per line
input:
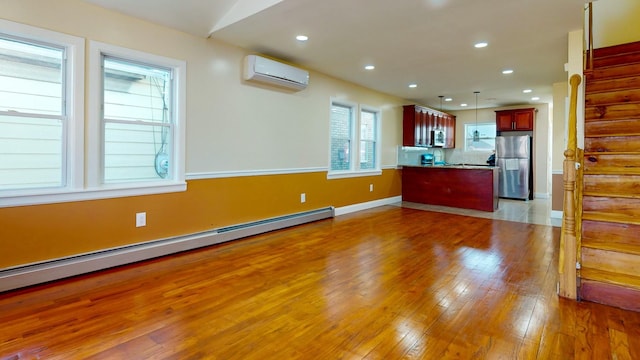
<point x="408" y="155"/>
<point x="459" y="156"/>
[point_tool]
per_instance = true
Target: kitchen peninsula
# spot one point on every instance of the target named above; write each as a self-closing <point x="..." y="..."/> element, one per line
<point x="462" y="186"/>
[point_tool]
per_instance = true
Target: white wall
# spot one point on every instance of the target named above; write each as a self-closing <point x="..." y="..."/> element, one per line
<point x="231" y="125"/>
<point x="615" y="22"/>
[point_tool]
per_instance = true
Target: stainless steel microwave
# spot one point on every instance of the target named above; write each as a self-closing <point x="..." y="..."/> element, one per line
<point x="438" y="137"/>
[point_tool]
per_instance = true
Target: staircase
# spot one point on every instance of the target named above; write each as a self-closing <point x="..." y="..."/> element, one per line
<point x="609" y="253"/>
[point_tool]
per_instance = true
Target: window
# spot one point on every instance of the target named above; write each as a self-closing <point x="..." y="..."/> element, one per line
<point x="368" y="139"/>
<point x="354" y="152"/>
<point x="342" y="122"/>
<point x="486" y="140"/>
<point x="137" y="126"/>
<point x="41" y="108"/>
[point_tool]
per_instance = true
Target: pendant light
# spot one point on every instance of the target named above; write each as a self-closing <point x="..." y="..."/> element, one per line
<point x="476" y="133"/>
<point x="440" y="96"/>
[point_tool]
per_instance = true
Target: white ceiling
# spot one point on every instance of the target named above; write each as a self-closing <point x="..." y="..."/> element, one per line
<point x="427" y="42"/>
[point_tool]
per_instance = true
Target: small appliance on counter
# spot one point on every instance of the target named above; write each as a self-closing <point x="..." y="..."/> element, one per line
<point x="492" y="160"/>
<point x="426" y="159"/>
<point x="438" y="157"/>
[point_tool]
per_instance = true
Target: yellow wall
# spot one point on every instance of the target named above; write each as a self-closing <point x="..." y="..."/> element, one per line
<point x="36" y="233"/>
<point x="232" y="126"/>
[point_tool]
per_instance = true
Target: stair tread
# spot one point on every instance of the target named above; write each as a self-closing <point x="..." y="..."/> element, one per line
<point x="612" y="171"/>
<point x="610" y="277"/>
<point x="611" y="135"/>
<point x="603" y="194"/>
<point x="612" y="152"/>
<point x="609" y="217"/>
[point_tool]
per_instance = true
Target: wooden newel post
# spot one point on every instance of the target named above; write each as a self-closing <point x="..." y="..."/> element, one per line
<point x="568" y="251"/>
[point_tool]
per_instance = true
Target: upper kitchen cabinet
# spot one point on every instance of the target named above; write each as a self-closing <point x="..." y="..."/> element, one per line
<point x="515" y="120"/>
<point x="421" y="126"/>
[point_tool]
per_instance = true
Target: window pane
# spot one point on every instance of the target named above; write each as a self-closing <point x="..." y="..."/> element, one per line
<point x="367" y="155"/>
<point x="367" y="140"/>
<point x="31" y="152"/>
<point x="367" y="126"/>
<point x="140" y="93"/>
<point x="31" y="82"/>
<point x="136" y="92"/>
<point x="31" y="78"/>
<point x="134" y="152"/>
<point x="341" y="119"/>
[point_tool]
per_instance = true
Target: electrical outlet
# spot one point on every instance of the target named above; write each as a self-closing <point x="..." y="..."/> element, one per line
<point x="303" y="198"/>
<point x="370" y="187"/>
<point x="141" y="219"/>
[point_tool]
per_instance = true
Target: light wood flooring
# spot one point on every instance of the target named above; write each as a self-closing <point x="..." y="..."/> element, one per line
<point x="386" y="283"/>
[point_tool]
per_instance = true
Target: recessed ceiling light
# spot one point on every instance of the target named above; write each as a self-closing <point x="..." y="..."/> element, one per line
<point x="369" y="67"/>
<point x="463" y="105"/>
<point x="448" y="99"/>
<point x="526" y="91"/>
<point x="535" y="98"/>
<point x="413" y="85"/>
<point x="302" y="38"/>
<point x="481" y="45"/>
<point x="507" y="71"/>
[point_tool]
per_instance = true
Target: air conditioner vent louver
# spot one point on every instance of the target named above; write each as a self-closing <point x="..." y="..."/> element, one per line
<point x="261" y="69"/>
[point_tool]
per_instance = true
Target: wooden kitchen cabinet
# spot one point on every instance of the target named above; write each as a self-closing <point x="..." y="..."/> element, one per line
<point x="515" y="120"/>
<point x="419" y="122"/>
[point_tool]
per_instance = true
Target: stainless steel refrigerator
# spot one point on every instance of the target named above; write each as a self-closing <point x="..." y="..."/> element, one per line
<point x="513" y="157"/>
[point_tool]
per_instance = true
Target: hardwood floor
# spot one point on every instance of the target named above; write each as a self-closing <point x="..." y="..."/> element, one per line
<point x="387" y="283"/>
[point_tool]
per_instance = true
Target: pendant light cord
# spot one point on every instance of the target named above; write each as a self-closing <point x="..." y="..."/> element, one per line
<point x="476" y="134"/>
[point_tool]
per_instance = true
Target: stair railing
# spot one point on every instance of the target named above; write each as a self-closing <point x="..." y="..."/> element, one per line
<point x="567" y="284"/>
<point x="588" y="66"/>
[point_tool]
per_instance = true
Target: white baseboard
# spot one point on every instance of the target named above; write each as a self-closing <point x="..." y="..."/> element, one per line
<point x="556" y="214"/>
<point x="541" y="195"/>
<point x="367" y="205"/>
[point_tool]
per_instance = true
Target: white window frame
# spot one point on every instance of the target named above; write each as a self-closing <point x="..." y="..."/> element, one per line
<point x="355" y="170"/>
<point x="176" y="180"/>
<point x="73" y="133"/>
<point x="378" y="115"/>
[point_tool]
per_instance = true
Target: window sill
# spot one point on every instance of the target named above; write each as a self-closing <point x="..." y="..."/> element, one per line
<point x="106" y="192"/>
<point x="352" y="174"/>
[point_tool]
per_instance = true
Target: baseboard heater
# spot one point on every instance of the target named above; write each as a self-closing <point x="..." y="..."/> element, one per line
<point x="27" y="275"/>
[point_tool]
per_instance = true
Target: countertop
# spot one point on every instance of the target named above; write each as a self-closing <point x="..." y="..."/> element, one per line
<point x="454" y="166"/>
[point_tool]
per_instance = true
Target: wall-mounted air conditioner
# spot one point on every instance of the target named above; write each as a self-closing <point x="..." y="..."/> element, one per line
<point x="261" y="69"/>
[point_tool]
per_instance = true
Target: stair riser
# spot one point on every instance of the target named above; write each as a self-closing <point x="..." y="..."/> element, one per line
<point x="616" y="163"/>
<point x="612" y="84"/>
<point x="612" y="127"/>
<point x="613" y="111"/>
<point x="612" y="144"/>
<point x="611" y="234"/>
<point x="622" y="207"/>
<point x="617" y="50"/>
<point x="616" y="96"/>
<point x="613" y="185"/>
<point x="609" y="294"/>
<point x="611" y="261"/>
<point x="620" y="71"/>
<point x="616" y="60"/>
